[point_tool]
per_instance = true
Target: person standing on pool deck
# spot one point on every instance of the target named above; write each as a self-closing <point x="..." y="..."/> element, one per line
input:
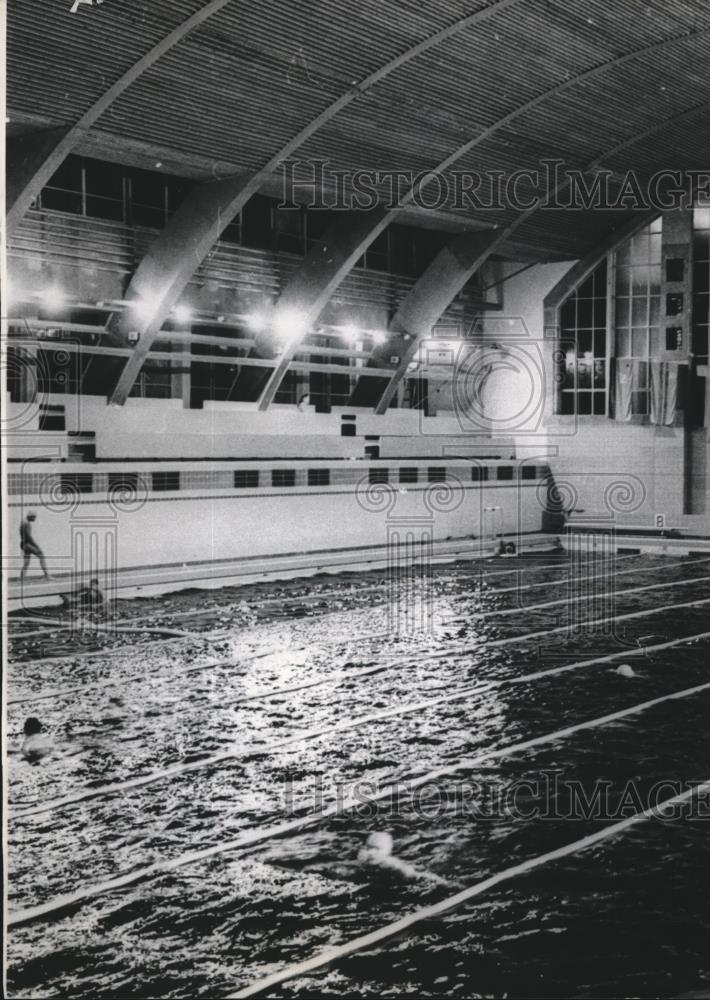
<point x="30" y="547"/>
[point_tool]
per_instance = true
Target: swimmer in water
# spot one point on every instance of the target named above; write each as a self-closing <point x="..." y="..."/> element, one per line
<point x="378" y="852"/>
<point x="85" y="598"/>
<point x="37" y="743"/>
<point x="117" y="711"/>
<point x="626" y="670"/>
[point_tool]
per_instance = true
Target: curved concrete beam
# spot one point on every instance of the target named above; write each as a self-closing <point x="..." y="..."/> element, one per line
<point x="583" y="268"/>
<point x="186" y="240"/>
<point x="32" y="159"/>
<point x="452" y="267"/>
<point x="560" y="88"/>
<point x="191" y="233"/>
<point x="308" y="292"/>
<point x="569" y="281"/>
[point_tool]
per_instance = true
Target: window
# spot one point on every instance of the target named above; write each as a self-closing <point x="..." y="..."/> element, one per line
<point x="246" y="479"/>
<point x="528" y="472"/>
<point x="317" y="223"/>
<point x="153" y="381"/>
<point x="479" y="474"/>
<point x="65" y="189"/>
<point x="427" y="245"/>
<point x="124" y="481"/>
<point x="166" y="481"/>
<point x="52" y="418"/>
<point x="77" y="482"/>
<point x="403" y="251"/>
<point x="256" y="223"/>
<point x="436" y="474"/>
<point x="376" y="257"/>
<point x="283" y="477"/>
<point x="379" y="475"/>
<point x="319" y="477"/>
<point x="408" y="474"/>
<point x="505" y="472"/>
<point x="177" y="191"/>
<point x="289" y="229"/>
<point x="148" y="199"/>
<point x="293" y="386"/>
<point x="582" y="368"/>
<point x="637" y="306"/>
<point x="232" y="233"/>
<point x="701" y="283"/>
<point x="104" y="188"/>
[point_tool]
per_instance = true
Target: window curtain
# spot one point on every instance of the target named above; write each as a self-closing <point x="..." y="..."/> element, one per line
<point x="623" y="385"/>
<point x="664" y="392"/>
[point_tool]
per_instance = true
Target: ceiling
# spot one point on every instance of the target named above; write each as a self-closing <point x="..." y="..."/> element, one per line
<point x="503" y="85"/>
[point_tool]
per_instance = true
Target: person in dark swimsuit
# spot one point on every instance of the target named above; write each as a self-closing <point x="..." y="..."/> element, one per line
<point x="84" y="598"/>
<point x="30" y="547"/>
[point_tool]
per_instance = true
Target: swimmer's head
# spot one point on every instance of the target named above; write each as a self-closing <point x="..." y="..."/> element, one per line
<point x="380" y="841"/>
<point x="33" y="726"/>
<point x="31" y="516"/>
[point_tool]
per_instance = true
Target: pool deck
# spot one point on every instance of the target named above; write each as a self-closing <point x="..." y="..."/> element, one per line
<point x="148" y="581"/>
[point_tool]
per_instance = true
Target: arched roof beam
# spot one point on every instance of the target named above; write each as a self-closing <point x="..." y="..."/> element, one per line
<point x="33" y="158"/>
<point x="308" y="292"/>
<point x="191" y="233"/>
<point x="188" y="237"/>
<point x="440" y="283"/>
<point x="576" y="273"/>
<point x="462" y="150"/>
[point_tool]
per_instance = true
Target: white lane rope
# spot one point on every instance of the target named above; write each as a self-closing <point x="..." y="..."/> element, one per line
<point x="353" y="591"/>
<point x="98" y="653"/>
<point x="568" y="581"/>
<point x="63" y="692"/>
<point x="177" y="770"/>
<point x="586" y="597"/>
<point x="121" y="682"/>
<point x="406" y="923"/>
<point x="462" y="575"/>
<point x="528" y="636"/>
<point x="220" y="609"/>
<point x="112" y="629"/>
<point x="345" y="804"/>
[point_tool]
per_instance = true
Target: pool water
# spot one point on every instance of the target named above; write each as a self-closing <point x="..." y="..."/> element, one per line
<point x="289" y="698"/>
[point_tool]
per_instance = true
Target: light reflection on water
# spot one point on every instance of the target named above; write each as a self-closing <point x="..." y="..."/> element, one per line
<point x="207" y="929"/>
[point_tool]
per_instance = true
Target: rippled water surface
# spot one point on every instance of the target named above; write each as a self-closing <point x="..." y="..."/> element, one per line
<point x="332" y="706"/>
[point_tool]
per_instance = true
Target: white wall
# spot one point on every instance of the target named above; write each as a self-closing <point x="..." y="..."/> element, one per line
<point x="636" y="469"/>
<point x="177" y="529"/>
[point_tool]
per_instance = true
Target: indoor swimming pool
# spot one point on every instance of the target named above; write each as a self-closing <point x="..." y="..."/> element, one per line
<point x="203" y="821"/>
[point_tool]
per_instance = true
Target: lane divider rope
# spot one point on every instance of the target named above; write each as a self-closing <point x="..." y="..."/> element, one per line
<point x="61" y="692"/>
<point x="406" y="923"/>
<point x="257" y="836"/>
<point x="177" y="770"/>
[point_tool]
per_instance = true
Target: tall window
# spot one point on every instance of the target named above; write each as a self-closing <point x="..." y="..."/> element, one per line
<point x="637" y="306"/>
<point x="101" y="190"/>
<point x="701" y="283"/>
<point x="583" y="371"/>
<point x="584" y="366"/>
